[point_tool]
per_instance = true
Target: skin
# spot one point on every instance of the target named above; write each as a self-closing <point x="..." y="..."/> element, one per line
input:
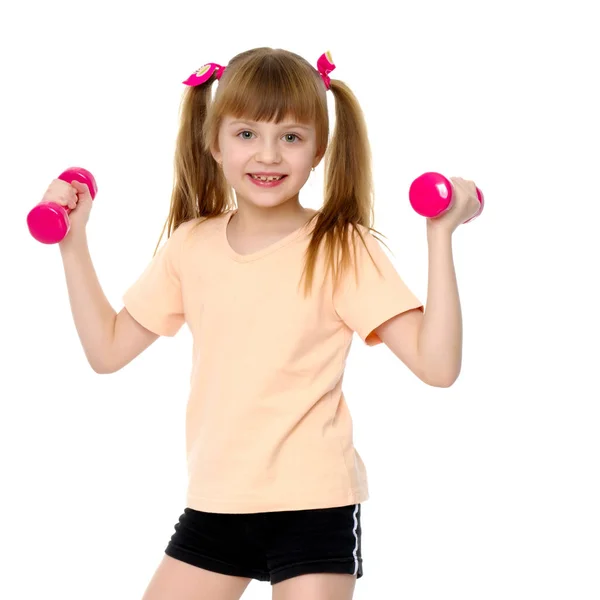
<point x="249" y="147"/>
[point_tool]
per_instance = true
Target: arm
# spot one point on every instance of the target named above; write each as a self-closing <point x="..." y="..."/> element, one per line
<point x="430" y="344"/>
<point x="109" y="340"/>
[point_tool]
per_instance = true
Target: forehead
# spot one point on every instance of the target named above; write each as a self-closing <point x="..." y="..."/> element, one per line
<point x="232" y="122"/>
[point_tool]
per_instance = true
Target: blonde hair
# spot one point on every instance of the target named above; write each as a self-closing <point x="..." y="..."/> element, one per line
<point x="265" y="84"/>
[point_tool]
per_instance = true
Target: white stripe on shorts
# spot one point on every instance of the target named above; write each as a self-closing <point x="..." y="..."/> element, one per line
<point x="356" y="538"/>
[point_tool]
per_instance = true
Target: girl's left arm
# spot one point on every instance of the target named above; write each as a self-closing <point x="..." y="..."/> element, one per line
<point x="430" y="343"/>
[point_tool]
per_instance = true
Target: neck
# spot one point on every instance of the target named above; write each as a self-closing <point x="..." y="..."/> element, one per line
<point x="288" y="216"/>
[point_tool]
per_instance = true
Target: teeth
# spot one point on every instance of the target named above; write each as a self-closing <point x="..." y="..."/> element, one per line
<point x="261" y="178"/>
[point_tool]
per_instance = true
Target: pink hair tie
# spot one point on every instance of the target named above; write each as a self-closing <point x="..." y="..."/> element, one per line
<point x="203" y="74"/>
<point x="324" y="65"/>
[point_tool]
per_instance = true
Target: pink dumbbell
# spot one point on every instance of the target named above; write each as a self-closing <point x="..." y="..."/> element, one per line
<point x="48" y="222"/>
<point x="431" y="195"/>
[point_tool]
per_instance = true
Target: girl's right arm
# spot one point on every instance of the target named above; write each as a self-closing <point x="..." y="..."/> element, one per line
<point x="109" y="340"/>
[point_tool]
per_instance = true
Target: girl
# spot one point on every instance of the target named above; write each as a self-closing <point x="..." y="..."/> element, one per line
<point x="272" y="293"/>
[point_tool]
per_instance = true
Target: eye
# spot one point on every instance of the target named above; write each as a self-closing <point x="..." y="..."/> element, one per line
<point x="293" y="135"/>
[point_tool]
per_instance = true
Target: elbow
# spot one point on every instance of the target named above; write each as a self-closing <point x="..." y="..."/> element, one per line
<point x="442" y="383"/>
<point x="439" y="371"/>
<point x="441" y="380"/>
<point x="102" y="367"/>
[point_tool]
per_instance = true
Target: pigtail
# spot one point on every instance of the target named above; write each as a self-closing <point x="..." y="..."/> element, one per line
<point x="348" y="189"/>
<point x="199" y="186"/>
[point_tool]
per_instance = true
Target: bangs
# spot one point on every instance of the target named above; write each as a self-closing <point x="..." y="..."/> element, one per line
<point x="265" y="90"/>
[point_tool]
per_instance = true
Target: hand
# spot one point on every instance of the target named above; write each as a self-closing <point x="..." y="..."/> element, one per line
<point x="76" y="196"/>
<point x="80" y="215"/>
<point x="465" y="204"/>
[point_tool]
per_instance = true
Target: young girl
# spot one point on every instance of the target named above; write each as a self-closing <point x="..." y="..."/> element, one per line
<point x="272" y="293"/>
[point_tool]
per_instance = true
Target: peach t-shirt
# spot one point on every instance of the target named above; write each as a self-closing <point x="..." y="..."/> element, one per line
<point x="267" y="425"/>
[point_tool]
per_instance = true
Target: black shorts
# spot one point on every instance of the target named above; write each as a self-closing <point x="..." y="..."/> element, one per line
<point x="271" y="546"/>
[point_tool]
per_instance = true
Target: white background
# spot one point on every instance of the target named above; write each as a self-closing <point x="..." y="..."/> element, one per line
<point x="488" y="489"/>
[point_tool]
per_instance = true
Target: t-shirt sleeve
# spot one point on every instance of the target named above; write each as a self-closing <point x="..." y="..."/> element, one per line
<point x="155" y="299"/>
<point x="376" y="296"/>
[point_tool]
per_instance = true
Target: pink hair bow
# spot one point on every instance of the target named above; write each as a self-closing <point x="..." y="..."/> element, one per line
<point x="203" y="74"/>
<point x="324" y="65"/>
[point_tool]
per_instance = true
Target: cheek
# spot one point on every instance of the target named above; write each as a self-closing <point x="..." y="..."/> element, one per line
<point x="235" y="157"/>
<point x="302" y="161"/>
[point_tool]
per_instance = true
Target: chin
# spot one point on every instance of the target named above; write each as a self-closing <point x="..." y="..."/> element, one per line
<point x="265" y="198"/>
<point x="264" y="202"/>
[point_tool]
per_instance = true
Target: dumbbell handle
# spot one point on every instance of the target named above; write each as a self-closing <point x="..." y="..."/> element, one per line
<point x="431" y="194"/>
<point x="48" y="222"/>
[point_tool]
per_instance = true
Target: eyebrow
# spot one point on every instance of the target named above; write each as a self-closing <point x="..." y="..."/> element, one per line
<point x="293" y="125"/>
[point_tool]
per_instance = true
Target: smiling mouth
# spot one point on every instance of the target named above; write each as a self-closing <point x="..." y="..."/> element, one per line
<point x="266" y="179"/>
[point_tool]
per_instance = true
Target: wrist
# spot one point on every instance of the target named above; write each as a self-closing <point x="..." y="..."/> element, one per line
<point x="438" y="230"/>
<point x="73" y="242"/>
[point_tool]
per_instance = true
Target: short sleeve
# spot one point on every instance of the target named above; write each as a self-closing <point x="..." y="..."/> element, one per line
<point x="155" y="299"/>
<point x="376" y="296"/>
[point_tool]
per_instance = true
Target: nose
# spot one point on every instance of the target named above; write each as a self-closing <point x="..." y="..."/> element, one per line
<point x="268" y="152"/>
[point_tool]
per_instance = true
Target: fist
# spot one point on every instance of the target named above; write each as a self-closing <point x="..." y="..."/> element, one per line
<point x="464" y="206"/>
<point x="76" y="197"/>
<point x="60" y="192"/>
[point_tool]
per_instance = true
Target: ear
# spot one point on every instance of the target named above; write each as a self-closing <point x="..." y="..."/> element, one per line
<point x="317" y="160"/>
<point x="216" y="154"/>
